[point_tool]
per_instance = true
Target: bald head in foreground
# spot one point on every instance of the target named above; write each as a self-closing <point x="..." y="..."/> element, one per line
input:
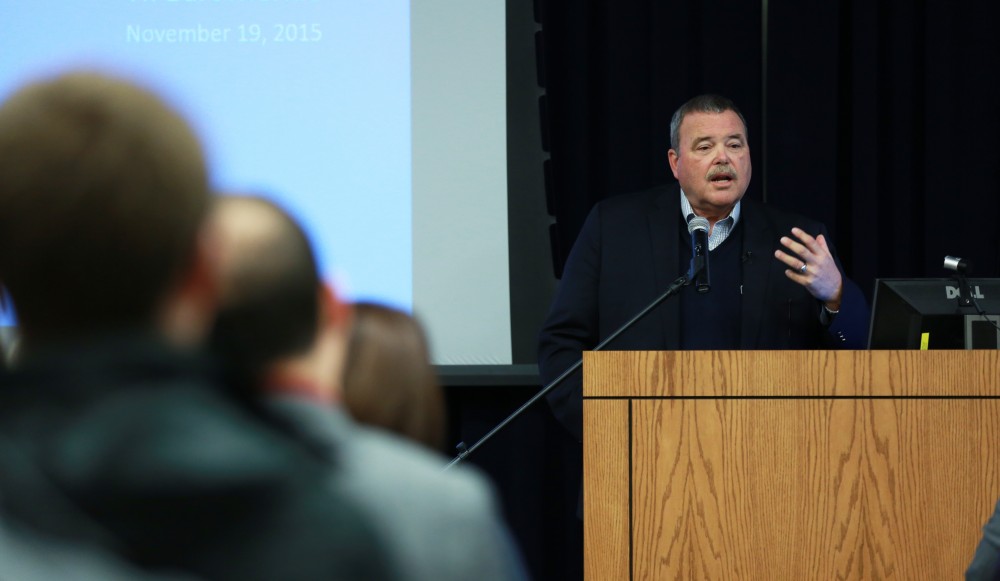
<point x="286" y="333"/>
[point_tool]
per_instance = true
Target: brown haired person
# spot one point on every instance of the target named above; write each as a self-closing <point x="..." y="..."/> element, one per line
<point x="389" y="381"/>
<point x="113" y="428"/>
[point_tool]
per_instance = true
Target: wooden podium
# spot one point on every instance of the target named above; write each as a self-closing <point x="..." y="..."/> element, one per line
<point x="788" y="464"/>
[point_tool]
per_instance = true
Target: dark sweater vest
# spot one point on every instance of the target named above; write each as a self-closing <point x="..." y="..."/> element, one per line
<point x="712" y="320"/>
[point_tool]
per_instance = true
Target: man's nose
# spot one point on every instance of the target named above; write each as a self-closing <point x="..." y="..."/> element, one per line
<point x="721" y="155"/>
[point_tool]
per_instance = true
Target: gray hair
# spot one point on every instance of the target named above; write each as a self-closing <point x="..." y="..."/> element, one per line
<point x="702" y="104"/>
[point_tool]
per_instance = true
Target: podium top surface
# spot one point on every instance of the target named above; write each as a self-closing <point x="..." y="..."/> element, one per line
<point x="820" y="374"/>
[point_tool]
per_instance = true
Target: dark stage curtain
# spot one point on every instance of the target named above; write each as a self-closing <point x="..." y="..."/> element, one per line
<point x="877" y="118"/>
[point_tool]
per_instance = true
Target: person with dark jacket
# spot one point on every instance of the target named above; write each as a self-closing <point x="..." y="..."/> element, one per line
<point x="776" y="281"/>
<point x="985" y="564"/>
<point x="115" y="431"/>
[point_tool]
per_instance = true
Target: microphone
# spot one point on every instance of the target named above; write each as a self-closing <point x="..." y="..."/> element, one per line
<point x="961" y="268"/>
<point x="959" y="265"/>
<point x="698" y="227"/>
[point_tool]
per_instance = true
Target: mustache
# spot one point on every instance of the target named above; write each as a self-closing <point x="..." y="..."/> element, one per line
<point x="722" y="170"/>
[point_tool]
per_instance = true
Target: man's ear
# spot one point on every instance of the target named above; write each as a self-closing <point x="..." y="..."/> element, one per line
<point x="189" y="309"/>
<point x="672" y="157"/>
<point x="335" y="312"/>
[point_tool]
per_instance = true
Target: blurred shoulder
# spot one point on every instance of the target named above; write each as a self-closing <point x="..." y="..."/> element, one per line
<point x="425" y="470"/>
<point x="375" y="463"/>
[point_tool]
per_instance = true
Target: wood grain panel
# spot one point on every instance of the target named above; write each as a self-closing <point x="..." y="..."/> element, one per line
<point x="809" y="488"/>
<point x="791" y="373"/>
<point x="606" y="482"/>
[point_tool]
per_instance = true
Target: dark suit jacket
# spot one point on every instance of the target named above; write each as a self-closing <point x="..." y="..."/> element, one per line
<point x="627" y="254"/>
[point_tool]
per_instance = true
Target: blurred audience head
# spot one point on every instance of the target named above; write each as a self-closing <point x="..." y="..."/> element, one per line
<point x="389" y="381"/>
<point x="276" y="317"/>
<point x="103" y="192"/>
<point x="280" y="329"/>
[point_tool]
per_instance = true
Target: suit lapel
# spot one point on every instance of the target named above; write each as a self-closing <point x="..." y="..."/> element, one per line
<point x="758" y="240"/>
<point x="664" y="233"/>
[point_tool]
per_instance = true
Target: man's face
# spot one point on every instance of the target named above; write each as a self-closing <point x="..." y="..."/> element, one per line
<point x="712" y="162"/>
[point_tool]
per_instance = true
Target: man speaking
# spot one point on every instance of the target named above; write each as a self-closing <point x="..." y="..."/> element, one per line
<point x="776" y="282"/>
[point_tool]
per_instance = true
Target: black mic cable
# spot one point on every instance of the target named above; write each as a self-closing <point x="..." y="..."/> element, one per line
<point x="673" y="289"/>
<point x="698" y="227"/>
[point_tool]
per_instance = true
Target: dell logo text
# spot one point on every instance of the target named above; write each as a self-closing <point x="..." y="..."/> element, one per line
<point x="951" y="292"/>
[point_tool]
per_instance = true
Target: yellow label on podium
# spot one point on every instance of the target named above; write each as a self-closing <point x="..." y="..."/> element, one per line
<point x="925" y="339"/>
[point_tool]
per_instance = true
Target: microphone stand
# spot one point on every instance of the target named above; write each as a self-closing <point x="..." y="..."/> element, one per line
<point x="964" y="292"/>
<point x="962" y="269"/>
<point x="673" y="289"/>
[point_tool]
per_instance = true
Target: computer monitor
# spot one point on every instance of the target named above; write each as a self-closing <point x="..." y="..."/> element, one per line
<point x="926" y="313"/>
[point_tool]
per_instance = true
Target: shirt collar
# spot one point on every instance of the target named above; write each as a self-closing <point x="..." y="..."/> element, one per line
<point x="687" y="210"/>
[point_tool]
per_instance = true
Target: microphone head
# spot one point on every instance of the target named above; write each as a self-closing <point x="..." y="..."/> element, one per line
<point x="697" y="223"/>
<point x="957" y="264"/>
